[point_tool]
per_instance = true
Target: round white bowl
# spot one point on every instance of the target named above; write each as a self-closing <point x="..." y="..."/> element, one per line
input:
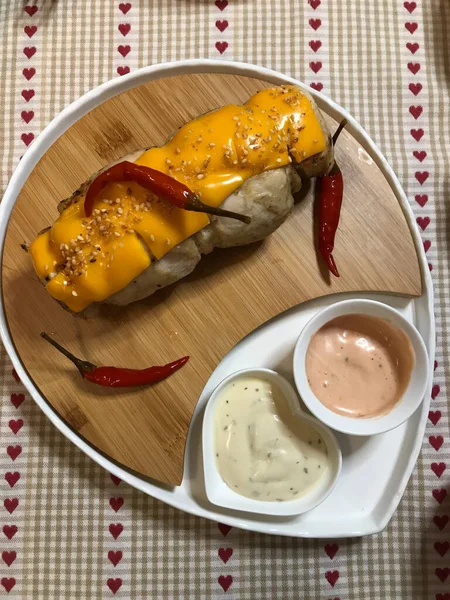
<point x="218" y="491"/>
<point x="411" y="398"/>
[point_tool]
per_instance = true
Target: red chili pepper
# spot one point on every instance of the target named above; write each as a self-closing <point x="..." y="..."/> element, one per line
<point x="330" y="202"/>
<point x="117" y="377"/>
<point x="160" y="184"/>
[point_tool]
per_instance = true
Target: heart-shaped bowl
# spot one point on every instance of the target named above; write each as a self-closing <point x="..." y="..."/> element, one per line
<point x="221" y="494"/>
<point x="411" y="397"/>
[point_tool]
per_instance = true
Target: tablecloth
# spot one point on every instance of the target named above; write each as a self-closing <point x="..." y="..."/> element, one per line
<point x="69" y="529"/>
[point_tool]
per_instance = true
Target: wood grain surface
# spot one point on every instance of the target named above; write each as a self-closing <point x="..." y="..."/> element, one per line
<point x="230" y="293"/>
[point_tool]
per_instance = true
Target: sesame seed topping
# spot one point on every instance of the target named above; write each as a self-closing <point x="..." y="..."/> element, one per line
<point x="200" y="176"/>
<point x="177" y="151"/>
<point x="278" y="160"/>
<point x="74" y="293"/>
<point x="152" y="237"/>
<point x="168" y="161"/>
<point x="235" y="118"/>
<point x="168" y="241"/>
<point x="199" y="139"/>
<point x="117" y="234"/>
<point x="211" y="144"/>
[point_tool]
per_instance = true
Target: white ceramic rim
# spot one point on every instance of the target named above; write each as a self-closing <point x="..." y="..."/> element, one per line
<point x="218" y="491"/>
<point x="369" y="426"/>
<point x="111" y="88"/>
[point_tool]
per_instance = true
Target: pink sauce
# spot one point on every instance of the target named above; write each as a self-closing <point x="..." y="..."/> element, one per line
<point x="359" y="366"/>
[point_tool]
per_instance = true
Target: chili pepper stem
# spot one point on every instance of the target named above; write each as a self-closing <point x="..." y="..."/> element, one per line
<point x="82" y="365"/>
<point x="194" y="204"/>
<point x="342" y="124"/>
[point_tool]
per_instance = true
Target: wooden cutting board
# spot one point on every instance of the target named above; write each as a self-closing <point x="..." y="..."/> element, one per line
<point x="230" y="293"/>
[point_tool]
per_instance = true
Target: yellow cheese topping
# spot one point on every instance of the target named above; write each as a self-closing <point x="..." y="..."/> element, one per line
<point x="87" y="259"/>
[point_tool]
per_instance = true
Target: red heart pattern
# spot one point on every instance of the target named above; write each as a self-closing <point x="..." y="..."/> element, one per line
<point x="16" y="377"/>
<point x="225" y="554"/>
<point x="416" y="111"/>
<point x="441" y="521"/>
<point x="14" y="451"/>
<point x="420" y="155"/>
<point x="114" y="584"/>
<point x="26" y="115"/>
<point x="410" y="6"/>
<point x="435" y="365"/>
<point x="8" y="583"/>
<point x="30" y="30"/>
<point x="11" y="504"/>
<point x="224" y="529"/>
<point x="315" y="66"/>
<point x="441" y="547"/>
<point x="221" y="4"/>
<point x="426" y="245"/>
<point x="439" y="495"/>
<point x="10" y="531"/>
<point x="115" y="529"/>
<point x="124" y="7"/>
<point x="421" y="176"/>
<point x="221" y="25"/>
<point x="421" y="199"/>
<point x="27" y="95"/>
<point x="15" y="426"/>
<point x="123" y="70"/>
<point x="9" y="557"/>
<point x="27" y="138"/>
<point x="412" y="47"/>
<point x="315" y="23"/>
<point x="314" y="4"/>
<point x="116" y="503"/>
<point x="123" y="50"/>
<point x="411" y="27"/>
<point x="423" y="222"/>
<point x="445" y="596"/>
<point x="430" y="266"/>
<point x="417" y="134"/>
<point x="317" y="86"/>
<point x="29" y="73"/>
<point x="29" y="51"/>
<point x="415" y="88"/>
<point x="434" y="416"/>
<point x="414" y="68"/>
<point x="115" y="557"/>
<point x="436" y="441"/>
<point x="17" y="399"/>
<point x="435" y="390"/>
<point x="221" y="46"/>
<point x="30" y="10"/>
<point x="225" y="581"/>
<point x="315" y="45"/>
<point x="438" y="468"/>
<point x="124" y="28"/>
<point x="332" y="577"/>
<point x="116" y="480"/>
<point x="12" y="478"/>
<point x="442" y="573"/>
<point x="331" y="550"/>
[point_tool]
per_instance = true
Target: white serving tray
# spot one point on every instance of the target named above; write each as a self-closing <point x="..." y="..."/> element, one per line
<point x="375" y="470"/>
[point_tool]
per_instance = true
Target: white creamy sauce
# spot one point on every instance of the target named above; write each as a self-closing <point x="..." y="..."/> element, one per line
<point x="263" y="451"/>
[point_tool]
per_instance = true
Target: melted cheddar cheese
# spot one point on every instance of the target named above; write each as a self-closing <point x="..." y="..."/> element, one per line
<point x="87" y="259"/>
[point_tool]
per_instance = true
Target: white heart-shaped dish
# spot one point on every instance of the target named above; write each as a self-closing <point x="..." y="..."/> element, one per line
<point x="221" y="494"/>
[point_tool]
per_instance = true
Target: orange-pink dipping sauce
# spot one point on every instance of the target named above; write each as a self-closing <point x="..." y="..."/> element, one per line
<point x="358" y="365"/>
